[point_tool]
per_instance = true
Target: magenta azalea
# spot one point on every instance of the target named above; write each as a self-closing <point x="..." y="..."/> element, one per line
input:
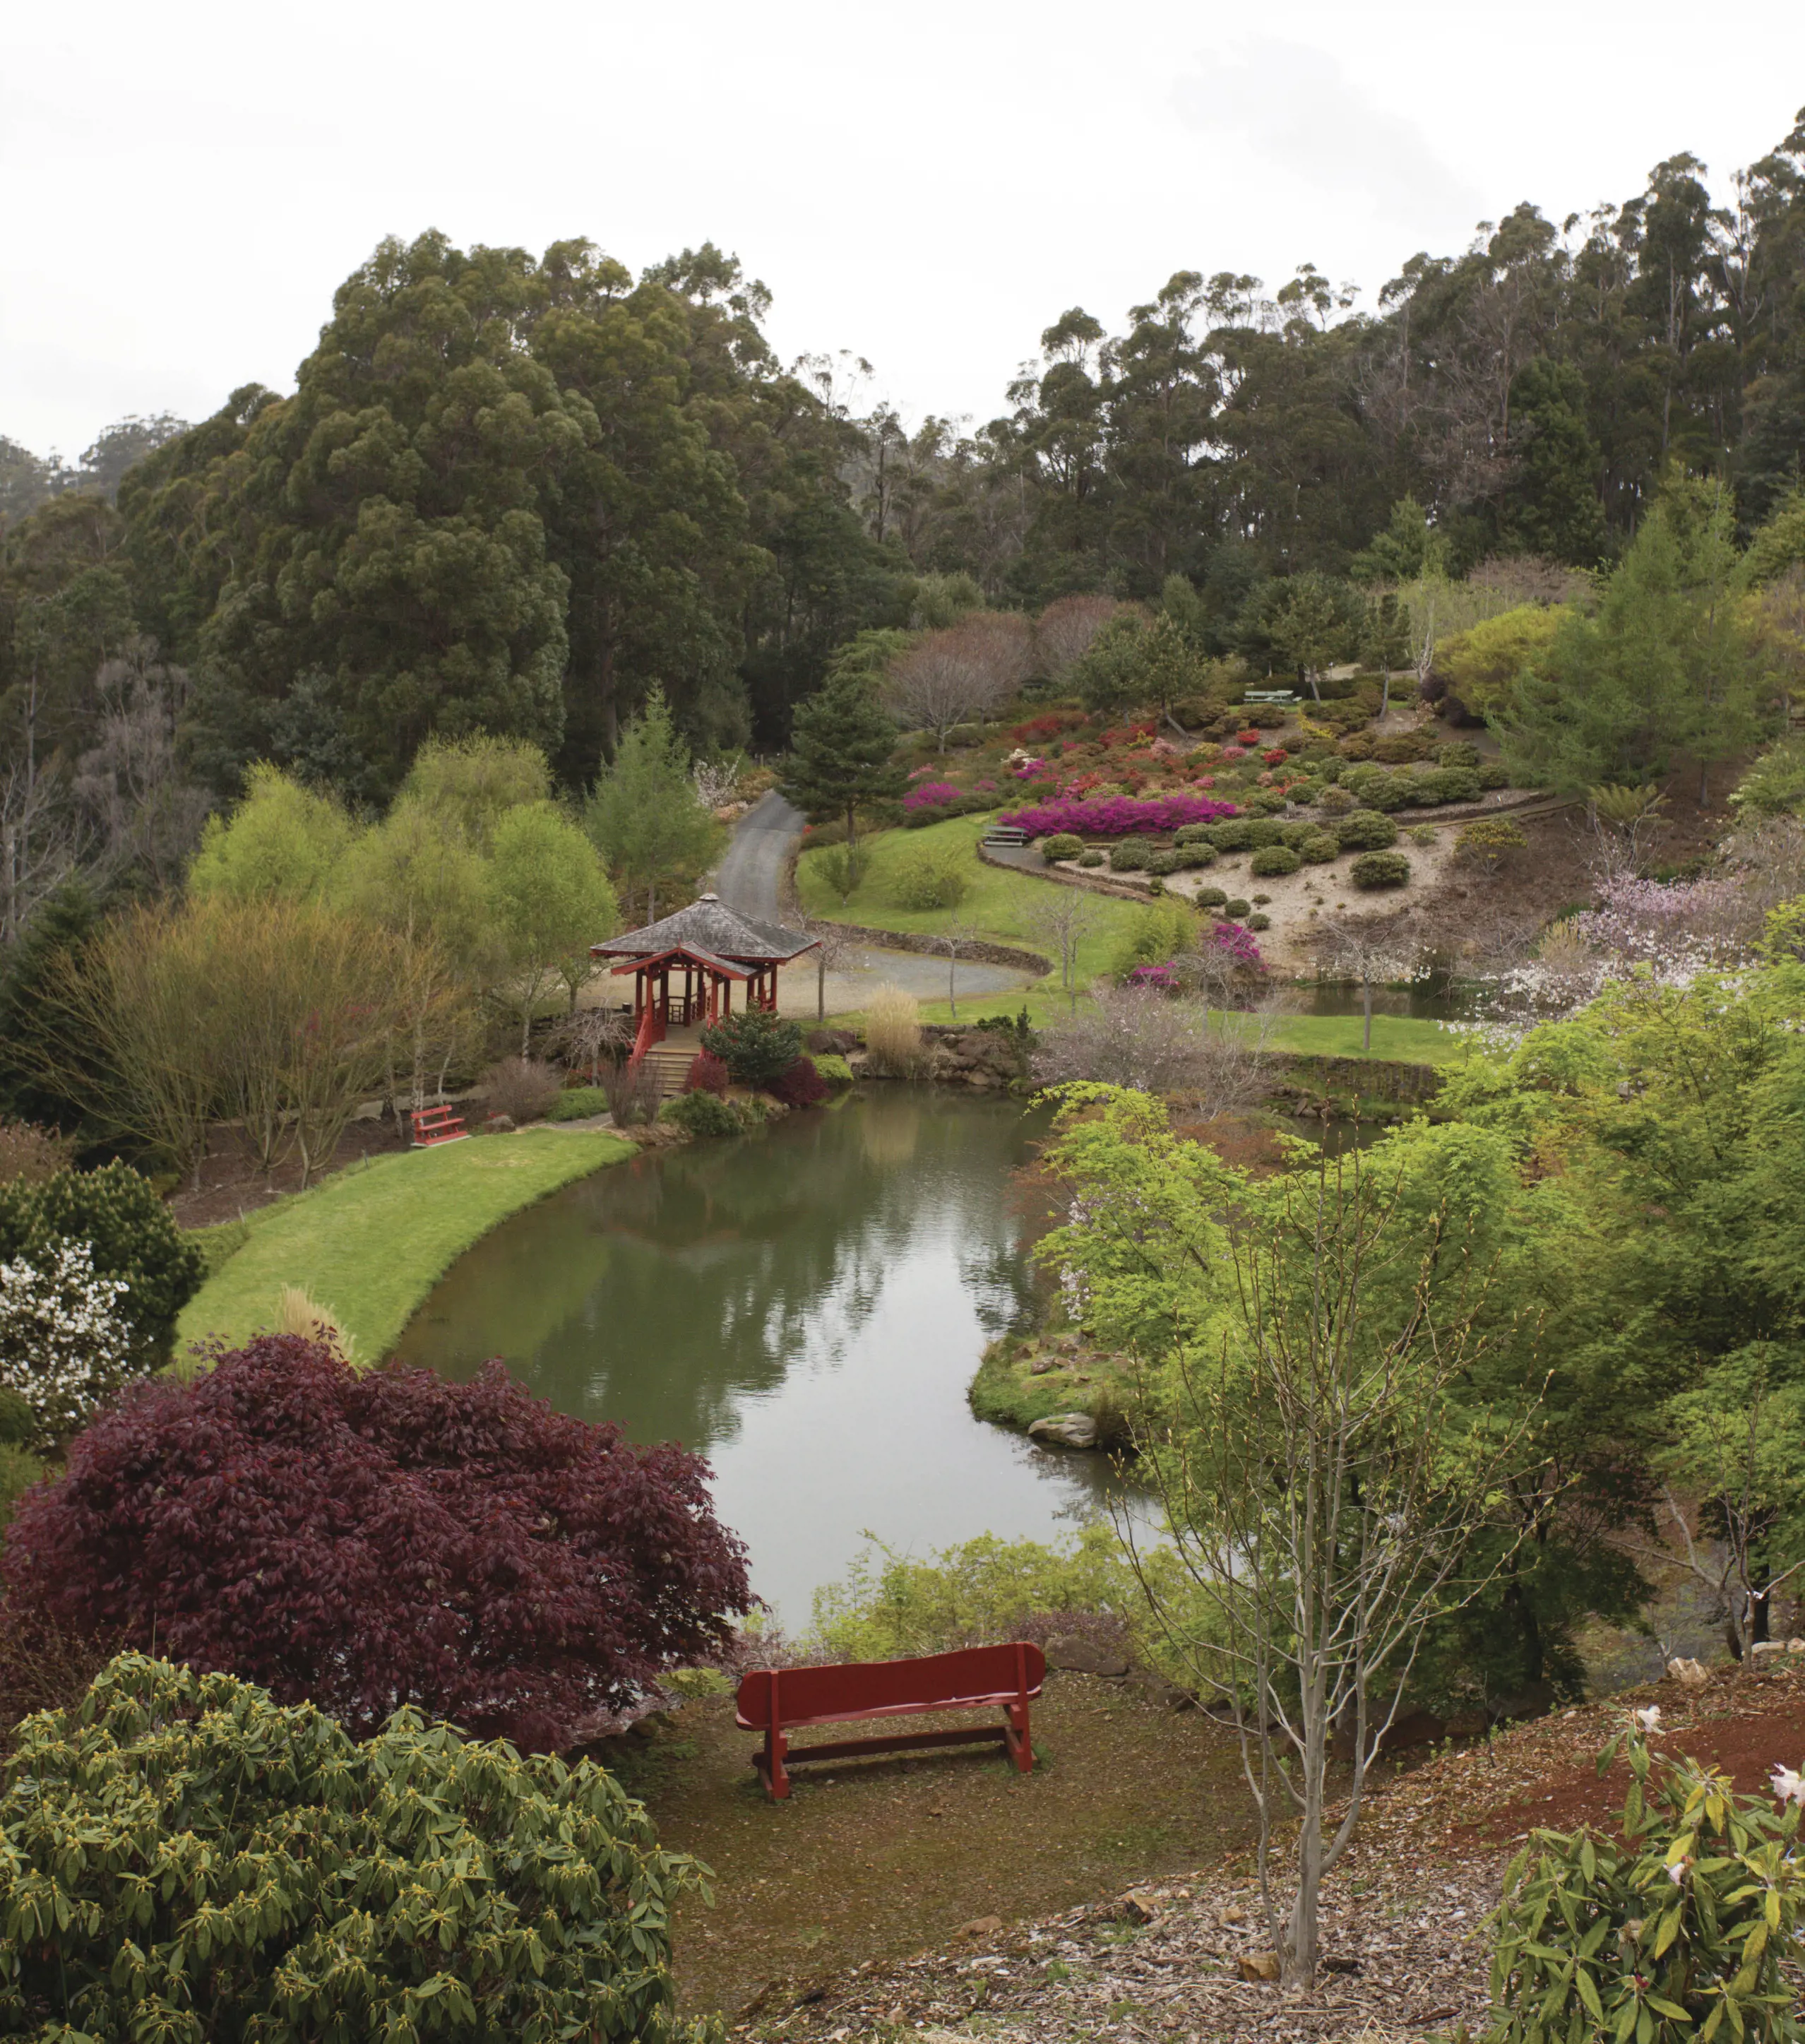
<point x="1117" y="816"/>
<point x="931" y="795"/>
<point x="1238" y="943"/>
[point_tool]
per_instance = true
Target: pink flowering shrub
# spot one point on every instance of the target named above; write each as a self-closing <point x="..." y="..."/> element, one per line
<point x="1239" y="943"/>
<point x="1119" y="816"/>
<point x="931" y="795"/>
<point x="1232" y="752"/>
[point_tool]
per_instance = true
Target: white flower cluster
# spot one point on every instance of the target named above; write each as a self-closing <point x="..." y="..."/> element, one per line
<point x="63" y="1348"/>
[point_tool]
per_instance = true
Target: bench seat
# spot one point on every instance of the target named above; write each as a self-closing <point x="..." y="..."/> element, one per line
<point x="777" y="1701"/>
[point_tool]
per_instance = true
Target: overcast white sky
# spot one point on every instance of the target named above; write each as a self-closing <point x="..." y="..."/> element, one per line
<point x="928" y="187"/>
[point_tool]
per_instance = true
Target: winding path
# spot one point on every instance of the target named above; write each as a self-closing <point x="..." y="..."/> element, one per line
<point x="750" y="878"/>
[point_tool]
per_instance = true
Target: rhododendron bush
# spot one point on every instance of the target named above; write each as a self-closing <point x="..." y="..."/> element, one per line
<point x="931" y="795"/>
<point x="1118" y="815"/>
<point x="368" y="1540"/>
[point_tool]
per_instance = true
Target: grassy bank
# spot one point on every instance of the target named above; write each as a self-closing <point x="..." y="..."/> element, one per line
<point x="371" y="1243"/>
<point x="1001" y="904"/>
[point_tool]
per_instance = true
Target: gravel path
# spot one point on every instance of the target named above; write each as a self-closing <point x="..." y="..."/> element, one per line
<point x="750" y="878"/>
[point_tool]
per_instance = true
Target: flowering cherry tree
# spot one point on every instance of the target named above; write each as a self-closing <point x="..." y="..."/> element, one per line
<point x="65" y="1347"/>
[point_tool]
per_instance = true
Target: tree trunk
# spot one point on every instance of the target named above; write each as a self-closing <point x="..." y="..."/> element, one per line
<point x="1366" y="1004"/>
<point x="820" y="986"/>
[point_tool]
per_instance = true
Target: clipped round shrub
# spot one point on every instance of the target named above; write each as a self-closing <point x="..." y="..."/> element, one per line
<point x="1062" y="844"/>
<point x="1428" y="789"/>
<point x="1266" y="802"/>
<point x="1195" y="834"/>
<point x="1273" y="859"/>
<point x="802" y="1085"/>
<point x="1192" y="856"/>
<point x="706" y="1075"/>
<point x="1493" y="773"/>
<point x="1236" y="834"/>
<point x="1295" y="834"/>
<point x="1357" y="745"/>
<point x="1259" y="920"/>
<point x="1398" y="748"/>
<point x="700" y="1114"/>
<point x="388" y="1538"/>
<point x="1336" y="801"/>
<point x="754" y="1044"/>
<point x="1130" y="856"/>
<point x="1235" y="910"/>
<point x="578" y="1103"/>
<point x="1211" y="897"/>
<point x="833" y="1068"/>
<point x="512" y="1885"/>
<point x="1384" y="792"/>
<point x="1318" y="848"/>
<point x="1091" y="858"/>
<point x="1365" y="830"/>
<point x="925" y="879"/>
<point x="1264" y="831"/>
<point x="1379" y="869"/>
<point x="1457" y="752"/>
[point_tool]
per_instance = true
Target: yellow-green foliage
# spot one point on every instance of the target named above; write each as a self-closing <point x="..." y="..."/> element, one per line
<point x="892" y="1030"/>
<point x="932" y="877"/>
<point x="1481" y="665"/>
<point x="1164" y="929"/>
<point x="891" y="1604"/>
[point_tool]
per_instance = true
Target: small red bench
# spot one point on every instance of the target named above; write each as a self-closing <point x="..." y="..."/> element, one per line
<point x="779" y="1700"/>
<point x="437" y="1124"/>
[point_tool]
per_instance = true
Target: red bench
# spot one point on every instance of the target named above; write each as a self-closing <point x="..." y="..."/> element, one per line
<point x="779" y="1700"/>
<point x="437" y="1124"/>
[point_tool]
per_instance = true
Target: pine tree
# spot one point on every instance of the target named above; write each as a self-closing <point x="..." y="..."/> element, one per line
<point x="840" y="752"/>
<point x="645" y="816"/>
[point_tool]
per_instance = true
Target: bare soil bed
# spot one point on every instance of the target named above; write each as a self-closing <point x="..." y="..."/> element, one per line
<point x="232" y="1186"/>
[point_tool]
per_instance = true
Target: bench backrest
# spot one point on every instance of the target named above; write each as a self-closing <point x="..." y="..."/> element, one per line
<point x="859" y="1688"/>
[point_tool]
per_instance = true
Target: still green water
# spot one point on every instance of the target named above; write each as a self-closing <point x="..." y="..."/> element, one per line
<point x="806" y="1306"/>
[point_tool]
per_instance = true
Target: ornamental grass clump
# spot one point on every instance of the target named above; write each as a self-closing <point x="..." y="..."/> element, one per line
<point x="1678" y="1928"/>
<point x="249" y="1870"/>
<point x="892" y="1032"/>
<point x="367" y="1539"/>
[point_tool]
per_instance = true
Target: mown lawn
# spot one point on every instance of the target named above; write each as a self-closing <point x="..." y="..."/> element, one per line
<point x="1002" y="905"/>
<point x="372" y="1242"/>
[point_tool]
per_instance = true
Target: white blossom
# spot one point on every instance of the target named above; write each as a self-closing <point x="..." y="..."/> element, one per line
<point x="1789" y="1786"/>
<point x="63" y="1347"/>
<point x="1649" y="1720"/>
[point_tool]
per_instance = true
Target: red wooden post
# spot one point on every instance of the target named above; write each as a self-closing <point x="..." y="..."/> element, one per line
<point x="1021" y="1744"/>
<point x="777" y="1744"/>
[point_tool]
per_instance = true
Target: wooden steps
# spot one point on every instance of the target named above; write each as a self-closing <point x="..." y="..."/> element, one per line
<point x="669" y="1063"/>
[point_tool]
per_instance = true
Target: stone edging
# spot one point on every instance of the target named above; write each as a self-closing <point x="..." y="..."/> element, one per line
<point x="907" y="940"/>
<point x="1059" y="874"/>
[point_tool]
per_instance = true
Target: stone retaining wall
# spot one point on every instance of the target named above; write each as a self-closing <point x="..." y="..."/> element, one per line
<point x="905" y="940"/>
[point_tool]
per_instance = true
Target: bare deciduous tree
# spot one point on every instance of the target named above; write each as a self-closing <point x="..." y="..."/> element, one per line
<point x="1144" y="1039"/>
<point x="1061" y="922"/>
<point x="1064" y="630"/>
<point x="146" y="813"/>
<point x="967" y="671"/>
<point x="1370" y="949"/>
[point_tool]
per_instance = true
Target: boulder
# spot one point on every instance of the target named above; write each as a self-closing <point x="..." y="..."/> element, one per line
<point x="1136" y="1906"/>
<point x="1258" y="1965"/>
<point x="1164" y="1696"/>
<point x="1065" y="1430"/>
<point x="498" y="1124"/>
<point x="1408" y="1729"/>
<point x="1688" y="1674"/>
<point x="1042" y="1364"/>
<point x="1533" y="1700"/>
<point x="979" y="1926"/>
<point x="1080" y="1657"/>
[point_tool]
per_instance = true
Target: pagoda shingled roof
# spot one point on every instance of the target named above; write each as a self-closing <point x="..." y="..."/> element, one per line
<point x="708" y="924"/>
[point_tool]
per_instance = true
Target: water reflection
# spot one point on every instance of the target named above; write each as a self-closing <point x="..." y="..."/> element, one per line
<point x="806" y="1306"/>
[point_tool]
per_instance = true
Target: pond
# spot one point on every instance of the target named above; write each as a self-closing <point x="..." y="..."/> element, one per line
<point x="806" y="1306"/>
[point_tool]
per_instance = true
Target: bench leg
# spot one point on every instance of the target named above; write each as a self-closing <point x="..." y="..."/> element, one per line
<point x="1016" y="1735"/>
<point x="769" y="1764"/>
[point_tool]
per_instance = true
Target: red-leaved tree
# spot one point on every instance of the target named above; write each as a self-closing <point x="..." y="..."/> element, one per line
<point x="371" y="1539"/>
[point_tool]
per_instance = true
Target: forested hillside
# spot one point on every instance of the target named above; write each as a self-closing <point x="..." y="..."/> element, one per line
<point x="513" y="492"/>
